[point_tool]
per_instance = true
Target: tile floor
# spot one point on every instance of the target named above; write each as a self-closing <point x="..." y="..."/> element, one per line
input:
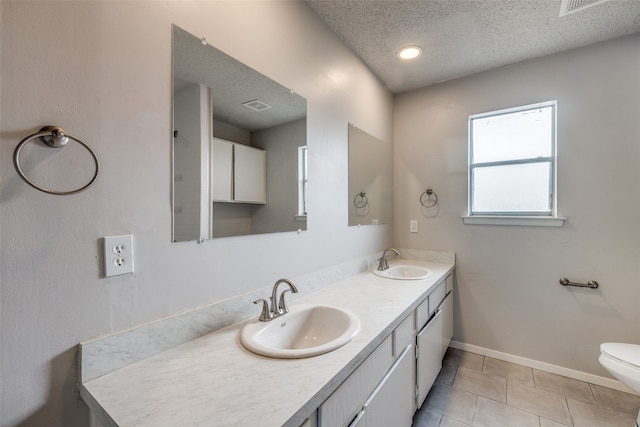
<point x="474" y="390"/>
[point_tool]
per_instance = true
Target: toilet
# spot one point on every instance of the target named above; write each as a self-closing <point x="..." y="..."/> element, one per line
<point x="623" y="362"/>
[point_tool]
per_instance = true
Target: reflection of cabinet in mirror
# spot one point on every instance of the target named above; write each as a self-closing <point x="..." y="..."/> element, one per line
<point x="216" y="96"/>
<point x="238" y="173"/>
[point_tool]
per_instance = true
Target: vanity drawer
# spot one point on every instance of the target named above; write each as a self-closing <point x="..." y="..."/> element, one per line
<point x="346" y="402"/>
<point x="437" y="296"/>
<point x="449" y="283"/>
<point x="429" y="305"/>
<point x="422" y="314"/>
<point x="403" y="335"/>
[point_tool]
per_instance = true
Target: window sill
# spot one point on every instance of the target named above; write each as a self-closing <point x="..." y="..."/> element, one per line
<point x="530" y="221"/>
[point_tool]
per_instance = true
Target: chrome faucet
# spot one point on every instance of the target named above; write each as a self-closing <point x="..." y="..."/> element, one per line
<point x="278" y="306"/>
<point x="382" y="262"/>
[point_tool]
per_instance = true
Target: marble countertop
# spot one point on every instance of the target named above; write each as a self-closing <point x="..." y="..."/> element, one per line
<point x="213" y="380"/>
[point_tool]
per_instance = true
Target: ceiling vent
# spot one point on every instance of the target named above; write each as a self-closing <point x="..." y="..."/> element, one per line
<point x="569" y="6"/>
<point x="256" y="105"/>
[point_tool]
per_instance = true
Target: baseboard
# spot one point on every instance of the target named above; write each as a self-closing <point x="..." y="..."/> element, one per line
<point x="542" y="366"/>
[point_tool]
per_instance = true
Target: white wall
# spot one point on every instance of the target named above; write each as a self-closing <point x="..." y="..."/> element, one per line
<point x="102" y="71"/>
<point x="508" y="297"/>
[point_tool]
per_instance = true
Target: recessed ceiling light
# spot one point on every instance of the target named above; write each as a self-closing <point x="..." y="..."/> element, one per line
<point x="409" y="52"/>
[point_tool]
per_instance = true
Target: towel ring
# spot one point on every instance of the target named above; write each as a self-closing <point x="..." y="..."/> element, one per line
<point x="54" y="137"/>
<point x="360" y="201"/>
<point x="427" y="200"/>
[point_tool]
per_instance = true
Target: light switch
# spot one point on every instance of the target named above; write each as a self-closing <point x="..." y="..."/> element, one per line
<point x="413" y="226"/>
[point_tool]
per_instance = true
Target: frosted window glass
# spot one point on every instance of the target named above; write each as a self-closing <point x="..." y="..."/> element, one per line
<point x="512" y="161"/>
<point x="519" y="135"/>
<point x="512" y="188"/>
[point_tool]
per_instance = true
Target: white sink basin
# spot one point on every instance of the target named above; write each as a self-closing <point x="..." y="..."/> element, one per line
<point x="404" y="272"/>
<point x="303" y="332"/>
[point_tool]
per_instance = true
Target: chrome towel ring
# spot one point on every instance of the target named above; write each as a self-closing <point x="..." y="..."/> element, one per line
<point x="429" y="198"/>
<point x="54" y="137"/>
<point x="360" y="201"/>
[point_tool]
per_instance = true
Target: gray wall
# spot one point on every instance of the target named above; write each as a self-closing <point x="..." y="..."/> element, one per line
<point x="281" y="144"/>
<point x="508" y="298"/>
<point x="102" y="71"/>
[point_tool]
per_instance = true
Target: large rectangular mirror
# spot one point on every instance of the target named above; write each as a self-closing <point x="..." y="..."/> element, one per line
<point x="369" y="188"/>
<point x="239" y="147"/>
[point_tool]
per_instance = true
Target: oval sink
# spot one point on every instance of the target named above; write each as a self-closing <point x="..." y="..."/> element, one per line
<point x="303" y="332"/>
<point x="404" y="272"/>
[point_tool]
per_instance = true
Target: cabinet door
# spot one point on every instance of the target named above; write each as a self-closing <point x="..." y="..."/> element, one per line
<point x="447" y="322"/>
<point x="311" y="421"/>
<point x="391" y="404"/>
<point x="221" y="177"/>
<point x="429" y="355"/>
<point x="359" y="421"/>
<point x="346" y="402"/>
<point x="250" y="167"/>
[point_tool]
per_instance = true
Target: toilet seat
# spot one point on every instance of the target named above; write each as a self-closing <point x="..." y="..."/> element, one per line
<point x="628" y="354"/>
<point x="623" y="362"/>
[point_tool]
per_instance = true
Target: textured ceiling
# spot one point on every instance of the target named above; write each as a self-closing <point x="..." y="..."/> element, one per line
<point x="463" y="37"/>
<point x="233" y="83"/>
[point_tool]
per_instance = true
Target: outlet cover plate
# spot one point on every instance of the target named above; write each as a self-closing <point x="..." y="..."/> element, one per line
<point x="118" y="255"/>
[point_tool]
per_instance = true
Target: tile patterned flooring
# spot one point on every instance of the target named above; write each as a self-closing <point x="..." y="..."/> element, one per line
<point x="474" y="390"/>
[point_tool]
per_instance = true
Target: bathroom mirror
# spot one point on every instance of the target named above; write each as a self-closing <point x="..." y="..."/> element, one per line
<point x="239" y="147"/>
<point x="369" y="188"/>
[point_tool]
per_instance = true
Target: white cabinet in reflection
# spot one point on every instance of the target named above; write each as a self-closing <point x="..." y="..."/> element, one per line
<point x="222" y="166"/>
<point x="239" y="173"/>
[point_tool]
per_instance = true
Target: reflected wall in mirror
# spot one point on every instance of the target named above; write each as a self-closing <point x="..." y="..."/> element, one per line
<point x="239" y="147"/>
<point x="369" y="195"/>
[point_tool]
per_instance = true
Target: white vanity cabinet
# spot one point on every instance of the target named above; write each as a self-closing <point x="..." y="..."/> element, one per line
<point x="435" y="330"/>
<point x="311" y="421"/>
<point x="371" y="382"/>
<point x="395" y="379"/>
<point x="347" y="401"/>
<point x="380" y="393"/>
<point x="391" y="403"/>
<point x="428" y="355"/>
<point x="447" y="314"/>
<point x="239" y="173"/>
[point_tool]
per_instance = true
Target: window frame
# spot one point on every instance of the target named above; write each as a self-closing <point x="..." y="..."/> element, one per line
<point x="544" y="218"/>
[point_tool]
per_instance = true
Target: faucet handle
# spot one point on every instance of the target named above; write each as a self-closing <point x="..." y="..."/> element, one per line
<point x="265" y="315"/>
<point x="282" y="306"/>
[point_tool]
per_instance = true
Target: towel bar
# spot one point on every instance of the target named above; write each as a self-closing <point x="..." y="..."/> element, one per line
<point x="590" y="284"/>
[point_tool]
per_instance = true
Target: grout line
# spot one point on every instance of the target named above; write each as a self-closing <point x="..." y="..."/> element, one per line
<point x="475" y="410"/>
<point x="544" y="367"/>
<point x="456" y="366"/>
<point x="566" y="402"/>
<point x="595" y="399"/>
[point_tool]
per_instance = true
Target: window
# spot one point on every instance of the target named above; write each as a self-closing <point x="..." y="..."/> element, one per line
<point x="512" y="165"/>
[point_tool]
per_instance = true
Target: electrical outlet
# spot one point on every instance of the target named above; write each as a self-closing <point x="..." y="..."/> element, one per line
<point x="118" y="255"/>
<point x="413" y="226"/>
